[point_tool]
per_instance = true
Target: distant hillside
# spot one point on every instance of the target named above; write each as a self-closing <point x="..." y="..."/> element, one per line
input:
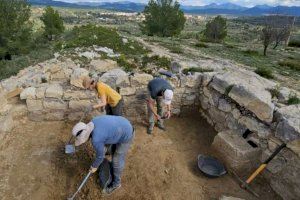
<point x="227" y="8"/>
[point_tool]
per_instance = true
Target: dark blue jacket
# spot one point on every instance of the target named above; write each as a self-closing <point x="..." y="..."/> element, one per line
<point x="157" y="86"/>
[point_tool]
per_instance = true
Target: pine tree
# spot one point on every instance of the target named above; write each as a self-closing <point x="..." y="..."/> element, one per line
<point x="15" y="27"/>
<point x="163" y="18"/>
<point x="53" y="23"/>
<point x="216" y="29"/>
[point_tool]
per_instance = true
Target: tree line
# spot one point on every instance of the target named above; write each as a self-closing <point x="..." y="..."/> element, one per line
<point x="16" y="28"/>
<point x="163" y="18"/>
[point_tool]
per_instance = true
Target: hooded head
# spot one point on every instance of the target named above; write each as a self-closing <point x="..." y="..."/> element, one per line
<point x="168" y="96"/>
<point x="82" y="132"/>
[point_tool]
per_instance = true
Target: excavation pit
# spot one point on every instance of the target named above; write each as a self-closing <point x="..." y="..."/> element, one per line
<point x="159" y="166"/>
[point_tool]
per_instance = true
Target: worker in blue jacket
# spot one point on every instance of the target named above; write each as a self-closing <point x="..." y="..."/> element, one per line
<point x="103" y="130"/>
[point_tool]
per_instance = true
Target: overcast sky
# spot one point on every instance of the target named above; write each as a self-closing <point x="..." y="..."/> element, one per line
<point x="247" y="3"/>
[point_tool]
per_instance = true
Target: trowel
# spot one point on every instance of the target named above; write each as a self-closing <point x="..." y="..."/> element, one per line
<point x="70" y="148"/>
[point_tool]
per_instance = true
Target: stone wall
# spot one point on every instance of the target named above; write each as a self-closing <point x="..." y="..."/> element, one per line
<point x="233" y="102"/>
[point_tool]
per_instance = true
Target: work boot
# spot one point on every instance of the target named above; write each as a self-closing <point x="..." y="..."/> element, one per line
<point x="110" y="189"/>
<point x="149" y="130"/>
<point x="161" y="126"/>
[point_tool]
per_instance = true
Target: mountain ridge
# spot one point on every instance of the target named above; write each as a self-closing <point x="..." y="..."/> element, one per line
<point x="213" y="8"/>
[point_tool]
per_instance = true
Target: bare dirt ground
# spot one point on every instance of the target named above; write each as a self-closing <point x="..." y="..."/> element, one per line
<point x="161" y="166"/>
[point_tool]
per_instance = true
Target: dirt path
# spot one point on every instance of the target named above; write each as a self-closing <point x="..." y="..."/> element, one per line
<point x="161" y="166"/>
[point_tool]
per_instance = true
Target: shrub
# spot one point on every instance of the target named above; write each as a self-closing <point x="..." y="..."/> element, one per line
<point x="293" y="99"/>
<point x="163" y="18"/>
<point x="291" y="63"/>
<point x="192" y="70"/>
<point x="216" y="29"/>
<point x="89" y="35"/>
<point x="264" y="72"/>
<point x="127" y="66"/>
<point x="201" y="45"/>
<point x="294" y="43"/>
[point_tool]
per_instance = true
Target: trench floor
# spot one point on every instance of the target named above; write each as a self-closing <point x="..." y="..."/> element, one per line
<point x="161" y="166"/>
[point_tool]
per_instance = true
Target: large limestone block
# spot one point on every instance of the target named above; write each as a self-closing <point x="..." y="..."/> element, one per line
<point x="78" y="95"/>
<point x="34" y="105"/>
<point x="40" y="92"/>
<point x="77" y="77"/>
<point x="255" y="126"/>
<point x="54" y="91"/>
<point x="140" y="80"/>
<point x="79" y="105"/>
<point x="28" y="93"/>
<point x="286" y="182"/>
<point x="101" y="66"/>
<point x="288" y="128"/>
<point x="114" y="76"/>
<point x="247" y="89"/>
<point x="55" y="104"/>
<point x="235" y="150"/>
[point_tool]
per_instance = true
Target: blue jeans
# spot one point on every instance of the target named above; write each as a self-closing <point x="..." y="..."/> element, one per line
<point x="118" y="160"/>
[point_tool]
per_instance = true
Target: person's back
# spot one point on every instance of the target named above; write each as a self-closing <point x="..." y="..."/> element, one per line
<point x="111" y="130"/>
<point x="112" y="96"/>
<point x="157" y="86"/>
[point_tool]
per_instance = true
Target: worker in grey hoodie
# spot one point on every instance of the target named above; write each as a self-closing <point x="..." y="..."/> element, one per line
<point x="105" y="130"/>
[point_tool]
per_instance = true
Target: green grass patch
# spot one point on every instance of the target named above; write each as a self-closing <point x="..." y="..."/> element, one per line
<point x="162" y="62"/>
<point x="176" y="49"/>
<point x="201" y="45"/>
<point x="293" y="64"/>
<point x="293" y="99"/>
<point x="264" y="72"/>
<point x="251" y="52"/>
<point x="192" y="70"/>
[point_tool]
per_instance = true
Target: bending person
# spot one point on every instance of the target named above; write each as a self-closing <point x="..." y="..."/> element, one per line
<point x="107" y="130"/>
<point x="110" y="99"/>
<point x="160" y="91"/>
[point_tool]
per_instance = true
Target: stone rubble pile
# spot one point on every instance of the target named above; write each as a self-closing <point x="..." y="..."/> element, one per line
<point x="232" y="101"/>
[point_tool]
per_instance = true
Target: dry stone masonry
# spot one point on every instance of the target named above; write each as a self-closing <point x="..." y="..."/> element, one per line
<point x="232" y="101"/>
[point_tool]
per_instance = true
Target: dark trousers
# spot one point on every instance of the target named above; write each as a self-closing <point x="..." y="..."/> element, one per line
<point x="117" y="110"/>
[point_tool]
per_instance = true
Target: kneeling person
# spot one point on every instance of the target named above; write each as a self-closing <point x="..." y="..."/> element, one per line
<point x="110" y="99"/>
<point x="105" y="130"/>
<point x="160" y="91"/>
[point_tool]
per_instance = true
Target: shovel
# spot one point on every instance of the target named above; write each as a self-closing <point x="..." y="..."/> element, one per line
<point x="70" y="148"/>
<point x="80" y="187"/>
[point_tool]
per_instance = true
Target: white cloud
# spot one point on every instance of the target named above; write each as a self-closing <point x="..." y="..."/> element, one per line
<point x="247" y="3"/>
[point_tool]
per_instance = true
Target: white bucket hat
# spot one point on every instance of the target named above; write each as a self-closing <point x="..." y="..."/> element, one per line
<point x="168" y="96"/>
<point x="85" y="134"/>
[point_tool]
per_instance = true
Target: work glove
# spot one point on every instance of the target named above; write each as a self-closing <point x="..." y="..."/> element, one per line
<point x="93" y="170"/>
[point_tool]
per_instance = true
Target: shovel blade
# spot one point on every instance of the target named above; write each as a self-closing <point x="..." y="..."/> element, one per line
<point x="69" y="149"/>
